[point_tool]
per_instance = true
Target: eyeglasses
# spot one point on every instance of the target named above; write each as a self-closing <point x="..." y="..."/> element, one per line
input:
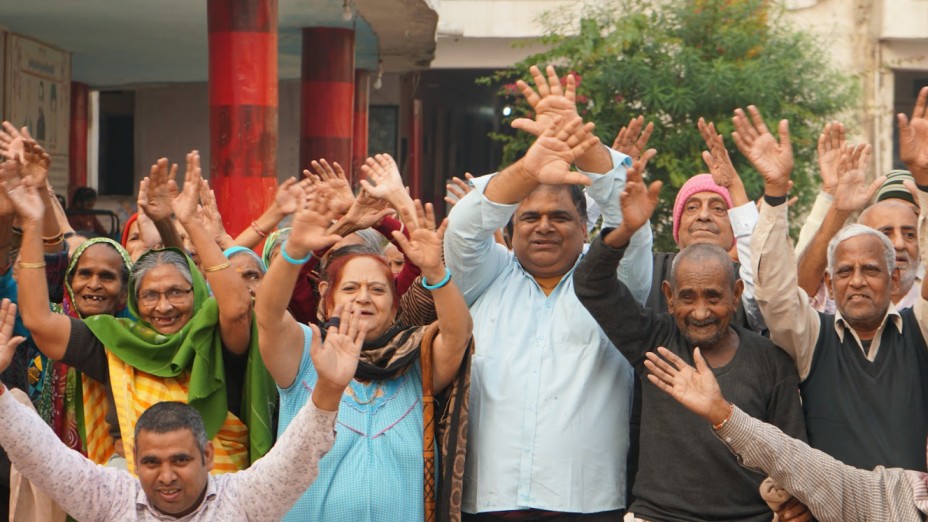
<point x="174" y="296"/>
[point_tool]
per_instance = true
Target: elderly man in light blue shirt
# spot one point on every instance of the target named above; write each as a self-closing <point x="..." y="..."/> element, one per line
<point x="550" y="395"/>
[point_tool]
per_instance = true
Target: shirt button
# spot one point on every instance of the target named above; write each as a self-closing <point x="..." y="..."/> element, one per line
<point x="549" y="305"/>
<point x="727" y="439"/>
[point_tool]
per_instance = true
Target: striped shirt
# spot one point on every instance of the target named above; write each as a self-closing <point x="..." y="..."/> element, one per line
<point x="832" y="490"/>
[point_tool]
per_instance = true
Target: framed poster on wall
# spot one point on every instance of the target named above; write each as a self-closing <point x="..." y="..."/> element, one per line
<point x="39" y="97"/>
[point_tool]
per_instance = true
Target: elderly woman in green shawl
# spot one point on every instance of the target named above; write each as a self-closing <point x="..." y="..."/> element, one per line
<point x="186" y="346"/>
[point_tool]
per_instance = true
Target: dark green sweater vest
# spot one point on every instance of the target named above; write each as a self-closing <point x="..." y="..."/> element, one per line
<point x="866" y="413"/>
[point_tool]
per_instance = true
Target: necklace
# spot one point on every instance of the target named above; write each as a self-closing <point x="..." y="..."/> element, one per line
<point x="376" y="393"/>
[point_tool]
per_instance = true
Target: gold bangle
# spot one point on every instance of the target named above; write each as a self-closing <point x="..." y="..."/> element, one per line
<point x="23" y="264"/>
<point x="54" y="240"/>
<point x="731" y="411"/>
<point x="220" y="266"/>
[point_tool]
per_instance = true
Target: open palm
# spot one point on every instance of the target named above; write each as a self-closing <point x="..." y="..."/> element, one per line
<point x="773" y="159"/>
<point x="424" y="246"/>
<point x="336" y="358"/>
<point x="695" y="388"/>
<point x="913" y="139"/>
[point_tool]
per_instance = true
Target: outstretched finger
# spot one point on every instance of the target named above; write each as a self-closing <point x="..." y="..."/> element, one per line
<point x="783" y="131"/>
<point x="570" y="88"/>
<point x="656" y="381"/>
<point x="338" y="313"/>
<point x="759" y="125"/>
<point x="661" y="362"/>
<point x="701" y="365"/>
<point x="672" y="358"/>
<point x="619" y="138"/>
<point x="645" y="136"/>
<point x="921" y="104"/>
<point x="875" y="186"/>
<point x="554" y="82"/>
<point x="528" y="93"/>
<point x="540" y="82"/>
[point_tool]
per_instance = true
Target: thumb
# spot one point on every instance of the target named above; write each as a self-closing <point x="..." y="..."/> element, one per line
<point x="875" y="186"/>
<point x="701" y="366"/>
<point x="527" y="125"/>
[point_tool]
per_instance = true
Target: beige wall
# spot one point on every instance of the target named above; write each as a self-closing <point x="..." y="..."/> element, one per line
<point x="173" y="119"/>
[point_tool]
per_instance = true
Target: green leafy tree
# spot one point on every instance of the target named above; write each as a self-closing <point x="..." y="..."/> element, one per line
<point x="673" y="61"/>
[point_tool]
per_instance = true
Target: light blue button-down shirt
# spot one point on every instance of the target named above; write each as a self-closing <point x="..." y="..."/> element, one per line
<point x="550" y="395"/>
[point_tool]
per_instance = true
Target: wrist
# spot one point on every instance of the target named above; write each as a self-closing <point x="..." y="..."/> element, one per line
<point x="327" y="396"/>
<point x="296" y="250"/>
<point x="619" y="237"/>
<point x="720" y="413"/>
<point x="433" y="274"/>
<point x="776" y="190"/>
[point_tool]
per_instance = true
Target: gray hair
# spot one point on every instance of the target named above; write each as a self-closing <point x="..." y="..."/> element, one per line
<point x="165" y="417"/>
<point x="372" y="240"/>
<point x="703" y="253"/>
<point x="153" y="259"/>
<point x="855" y="230"/>
<point x="250" y="253"/>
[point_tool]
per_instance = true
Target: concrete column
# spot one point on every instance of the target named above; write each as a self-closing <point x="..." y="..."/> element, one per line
<point x="327" y="96"/>
<point x="361" y="104"/>
<point x="77" y="139"/>
<point x="242" y="107"/>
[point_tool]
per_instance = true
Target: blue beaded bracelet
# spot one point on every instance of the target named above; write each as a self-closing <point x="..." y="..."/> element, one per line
<point x="283" y="254"/>
<point x="440" y="284"/>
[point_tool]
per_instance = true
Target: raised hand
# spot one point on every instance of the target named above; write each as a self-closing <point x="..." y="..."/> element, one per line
<point x="288" y="196"/>
<point x="386" y="178"/>
<point x="720" y="166"/>
<point x="913" y="139"/>
<point x="8" y="342"/>
<point x="185" y="203"/>
<point x="309" y="227"/>
<point x="331" y="181"/>
<point x="639" y="200"/>
<point x="831" y="144"/>
<point x="458" y="188"/>
<point x="772" y="158"/>
<point x="424" y="246"/>
<point x="336" y="358"/>
<point x="695" y="388"/>
<point x="157" y="190"/>
<point x="548" y="160"/>
<point x="148" y="232"/>
<point x="852" y="192"/>
<point x="209" y="211"/>
<point x="21" y="192"/>
<point x="19" y="144"/>
<point x="632" y="140"/>
<point x="550" y="102"/>
<point x="366" y="212"/>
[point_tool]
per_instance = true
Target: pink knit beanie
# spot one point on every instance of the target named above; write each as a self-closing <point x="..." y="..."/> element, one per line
<point x="698" y="183"/>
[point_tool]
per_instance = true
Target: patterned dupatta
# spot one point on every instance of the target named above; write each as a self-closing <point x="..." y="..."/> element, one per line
<point x="61" y="402"/>
<point x="192" y="360"/>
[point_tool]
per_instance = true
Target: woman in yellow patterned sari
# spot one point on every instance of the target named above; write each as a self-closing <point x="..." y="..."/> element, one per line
<point x="186" y="346"/>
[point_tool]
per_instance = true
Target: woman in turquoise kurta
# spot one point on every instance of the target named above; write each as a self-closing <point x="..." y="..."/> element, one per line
<point x="375" y="469"/>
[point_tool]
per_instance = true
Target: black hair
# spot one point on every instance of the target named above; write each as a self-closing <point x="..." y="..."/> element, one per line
<point x="165" y="417"/>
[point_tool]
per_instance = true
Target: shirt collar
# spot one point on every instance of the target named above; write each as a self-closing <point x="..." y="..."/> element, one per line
<point x="841" y="325"/>
<point x="142" y="501"/>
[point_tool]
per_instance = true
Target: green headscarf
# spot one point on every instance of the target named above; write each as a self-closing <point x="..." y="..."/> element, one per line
<point x="273" y="239"/>
<point x="68" y="306"/>
<point x="197" y="347"/>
